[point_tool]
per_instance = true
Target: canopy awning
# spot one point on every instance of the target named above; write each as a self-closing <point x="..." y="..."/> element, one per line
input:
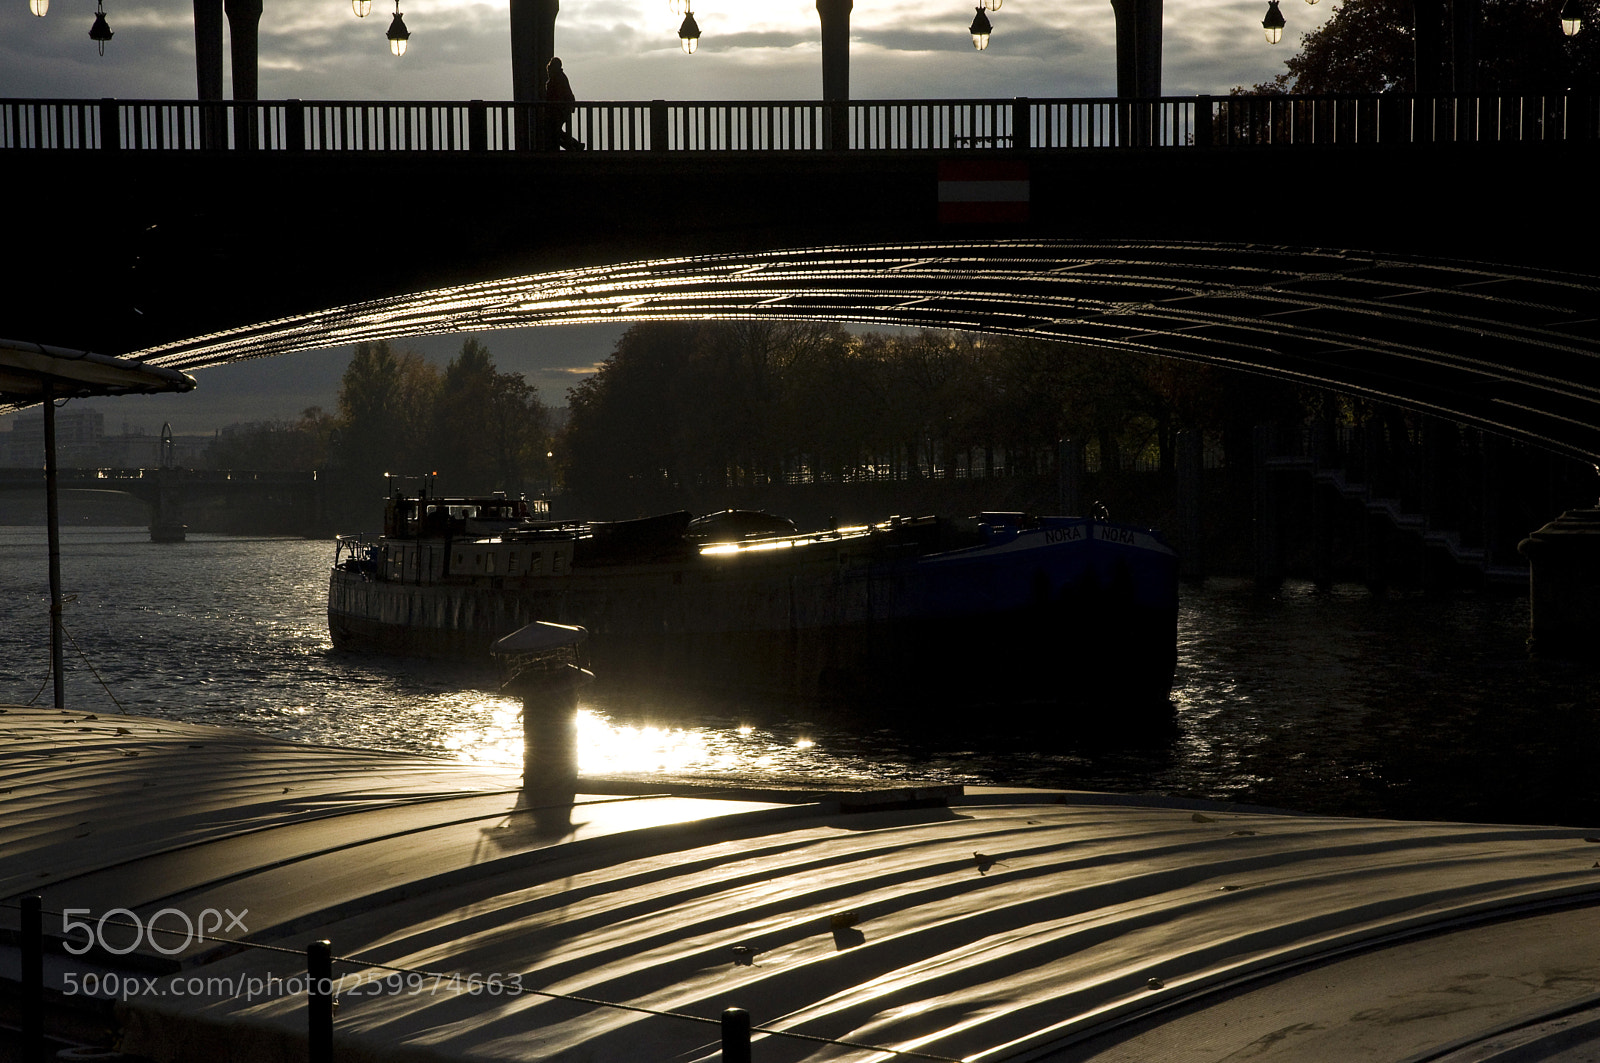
<point x="25" y="369"/>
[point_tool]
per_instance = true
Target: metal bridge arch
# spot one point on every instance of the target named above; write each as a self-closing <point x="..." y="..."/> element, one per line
<point x="1376" y="245"/>
<point x="1512" y="350"/>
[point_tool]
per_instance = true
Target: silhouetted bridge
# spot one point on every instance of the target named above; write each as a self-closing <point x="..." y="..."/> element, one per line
<point x="1419" y="250"/>
<point x="166" y="490"/>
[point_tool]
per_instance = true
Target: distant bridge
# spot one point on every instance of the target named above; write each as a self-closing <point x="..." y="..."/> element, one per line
<point x="166" y="490"/>
<point x="1414" y="249"/>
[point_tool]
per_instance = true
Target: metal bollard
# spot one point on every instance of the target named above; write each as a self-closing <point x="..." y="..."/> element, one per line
<point x="735" y="1036"/>
<point x="319" y="1002"/>
<point x="32" y="978"/>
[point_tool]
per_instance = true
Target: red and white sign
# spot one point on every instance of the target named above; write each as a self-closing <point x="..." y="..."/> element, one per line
<point x="981" y="190"/>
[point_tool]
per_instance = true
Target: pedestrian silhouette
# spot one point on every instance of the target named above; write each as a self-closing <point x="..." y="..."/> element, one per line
<point x="558" y="107"/>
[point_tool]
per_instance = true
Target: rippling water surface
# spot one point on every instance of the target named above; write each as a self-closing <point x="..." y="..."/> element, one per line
<point x="1344" y="701"/>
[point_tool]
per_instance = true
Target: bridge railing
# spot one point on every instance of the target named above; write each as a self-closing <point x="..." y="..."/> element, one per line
<point x="1391" y="118"/>
<point x="761" y="126"/>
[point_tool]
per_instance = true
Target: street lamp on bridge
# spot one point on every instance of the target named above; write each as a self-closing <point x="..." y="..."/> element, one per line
<point x="398" y="34"/>
<point x="689" y="32"/>
<point x="1274" y="22"/>
<point x="100" y="33"/>
<point x="1571" y="17"/>
<point x="980" y="29"/>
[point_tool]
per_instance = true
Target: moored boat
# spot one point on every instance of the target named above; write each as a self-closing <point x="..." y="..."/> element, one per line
<point x="1002" y="604"/>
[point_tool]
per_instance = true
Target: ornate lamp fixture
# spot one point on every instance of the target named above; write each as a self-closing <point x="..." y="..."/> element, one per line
<point x="689" y="32"/>
<point x="362" y="8"/>
<point x="980" y="28"/>
<point x="39" y="7"/>
<point x="100" y="33"/>
<point x="1273" y="23"/>
<point x="398" y="34"/>
<point x="992" y="5"/>
<point x="1571" y="18"/>
<point x="678" y="7"/>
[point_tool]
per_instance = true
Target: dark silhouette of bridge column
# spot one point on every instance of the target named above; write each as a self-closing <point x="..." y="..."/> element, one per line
<point x="244" y="18"/>
<point x="835" y="15"/>
<point x="166" y="508"/>
<point x="1138" y="66"/>
<point x="533" y="43"/>
<point x="1138" y="48"/>
<point x="208" y="48"/>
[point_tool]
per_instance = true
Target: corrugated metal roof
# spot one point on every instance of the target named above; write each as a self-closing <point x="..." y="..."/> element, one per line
<point x="1004" y="926"/>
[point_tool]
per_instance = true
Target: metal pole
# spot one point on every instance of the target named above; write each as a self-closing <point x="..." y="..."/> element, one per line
<point x="52" y="521"/>
<point x="735" y="1036"/>
<point x="319" y="1002"/>
<point x="32" y="978"/>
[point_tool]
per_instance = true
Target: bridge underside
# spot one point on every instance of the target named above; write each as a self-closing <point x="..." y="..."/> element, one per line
<point x="1513" y="351"/>
<point x="1462" y="302"/>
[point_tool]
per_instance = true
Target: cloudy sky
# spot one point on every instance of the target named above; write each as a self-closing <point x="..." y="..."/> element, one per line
<point x="613" y="50"/>
<point x="628" y="49"/>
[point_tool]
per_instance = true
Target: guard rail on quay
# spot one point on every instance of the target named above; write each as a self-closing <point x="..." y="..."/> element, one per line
<point x="479" y="126"/>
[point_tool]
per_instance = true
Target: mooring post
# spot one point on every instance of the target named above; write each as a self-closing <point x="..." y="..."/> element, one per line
<point x="319" y="1002"/>
<point x="539" y="662"/>
<point x="33" y="976"/>
<point x="735" y="1036"/>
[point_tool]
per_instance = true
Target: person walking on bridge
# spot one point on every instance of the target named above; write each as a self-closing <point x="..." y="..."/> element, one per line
<point x="559" y="99"/>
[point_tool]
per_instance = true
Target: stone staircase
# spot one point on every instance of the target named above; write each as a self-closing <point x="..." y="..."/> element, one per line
<point x="1448" y="541"/>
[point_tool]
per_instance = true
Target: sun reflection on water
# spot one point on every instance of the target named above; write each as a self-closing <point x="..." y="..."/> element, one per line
<point x="493" y="735"/>
<point x="487" y="730"/>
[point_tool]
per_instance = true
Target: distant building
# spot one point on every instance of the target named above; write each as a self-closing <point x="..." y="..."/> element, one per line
<point x="82" y="443"/>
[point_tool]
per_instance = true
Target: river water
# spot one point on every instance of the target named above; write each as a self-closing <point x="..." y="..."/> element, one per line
<point x="1342" y="702"/>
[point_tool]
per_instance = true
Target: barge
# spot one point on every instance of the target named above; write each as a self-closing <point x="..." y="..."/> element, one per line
<point x="1002" y="604"/>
